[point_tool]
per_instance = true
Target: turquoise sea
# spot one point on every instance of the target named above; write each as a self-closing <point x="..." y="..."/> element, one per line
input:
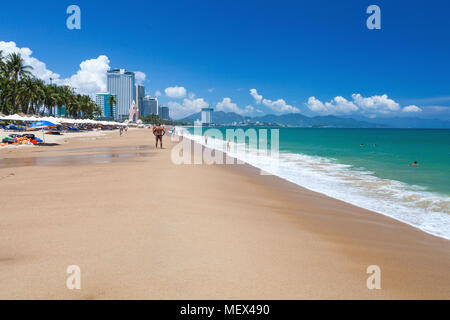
<point x="366" y="167"/>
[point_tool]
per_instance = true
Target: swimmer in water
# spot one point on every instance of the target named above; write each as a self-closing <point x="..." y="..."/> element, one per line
<point x="414" y="164"/>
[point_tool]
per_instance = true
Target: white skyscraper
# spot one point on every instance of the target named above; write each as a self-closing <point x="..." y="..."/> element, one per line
<point x="163" y="113"/>
<point x="140" y="94"/>
<point x="207" y="116"/>
<point x="150" y="106"/>
<point x="121" y="84"/>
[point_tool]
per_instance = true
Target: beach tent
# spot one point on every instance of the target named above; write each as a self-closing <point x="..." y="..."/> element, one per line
<point x="17" y="117"/>
<point x="42" y="124"/>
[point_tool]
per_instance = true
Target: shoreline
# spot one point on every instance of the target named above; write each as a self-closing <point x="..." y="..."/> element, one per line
<point x="360" y="205"/>
<point x="144" y="228"/>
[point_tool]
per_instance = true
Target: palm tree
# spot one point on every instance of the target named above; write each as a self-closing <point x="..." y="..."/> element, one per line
<point x="87" y="107"/>
<point x="3" y="84"/>
<point x="19" y="91"/>
<point x="63" y="99"/>
<point x="112" y="102"/>
<point x="16" y="69"/>
<point x="154" y="118"/>
<point x="30" y="94"/>
<point x="1" y="61"/>
<point x="50" y="98"/>
<point x="72" y="105"/>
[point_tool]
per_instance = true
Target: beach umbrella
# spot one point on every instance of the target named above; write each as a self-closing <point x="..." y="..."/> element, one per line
<point x="43" y="124"/>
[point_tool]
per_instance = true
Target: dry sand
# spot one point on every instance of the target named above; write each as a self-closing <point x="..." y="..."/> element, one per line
<point x="139" y="226"/>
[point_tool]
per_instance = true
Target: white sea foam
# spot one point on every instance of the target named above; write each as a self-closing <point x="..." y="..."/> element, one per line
<point x="413" y="205"/>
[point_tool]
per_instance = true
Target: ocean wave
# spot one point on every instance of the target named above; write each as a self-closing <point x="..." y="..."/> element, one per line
<point x="411" y="204"/>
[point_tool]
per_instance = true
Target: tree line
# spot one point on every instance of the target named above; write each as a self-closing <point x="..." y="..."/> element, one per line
<point x="155" y="119"/>
<point x="21" y="92"/>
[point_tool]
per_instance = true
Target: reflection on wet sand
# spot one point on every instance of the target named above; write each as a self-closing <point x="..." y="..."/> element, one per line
<point x="70" y="160"/>
<point x="102" y="149"/>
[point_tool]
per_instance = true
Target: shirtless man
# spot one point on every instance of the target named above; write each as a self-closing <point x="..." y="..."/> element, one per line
<point x="159" y="132"/>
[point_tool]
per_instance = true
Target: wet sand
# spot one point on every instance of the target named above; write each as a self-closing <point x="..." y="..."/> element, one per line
<point x="139" y="227"/>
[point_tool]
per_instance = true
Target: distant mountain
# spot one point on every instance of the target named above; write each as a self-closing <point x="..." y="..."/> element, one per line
<point x="291" y="119"/>
<point x="398" y="122"/>
<point x="299" y="120"/>
<point x="220" y="117"/>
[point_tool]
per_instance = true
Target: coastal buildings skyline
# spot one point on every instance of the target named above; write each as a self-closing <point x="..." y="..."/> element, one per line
<point x="163" y="113"/>
<point x="102" y="101"/>
<point x="207" y="116"/>
<point x="298" y="65"/>
<point x="150" y="106"/>
<point x="121" y="83"/>
<point x="140" y="95"/>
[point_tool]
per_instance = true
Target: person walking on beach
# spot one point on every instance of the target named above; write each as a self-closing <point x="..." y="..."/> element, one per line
<point x="206" y="138"/>
<point x="120" y="131"/>
<point x="159" y="132"/>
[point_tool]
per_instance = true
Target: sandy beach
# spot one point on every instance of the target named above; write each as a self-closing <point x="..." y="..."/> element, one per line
<point x="51" y="139"/>
<point x="141" y="227"/>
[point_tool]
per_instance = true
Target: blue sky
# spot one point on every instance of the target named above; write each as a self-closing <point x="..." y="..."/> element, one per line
<point x="313" y="57"/>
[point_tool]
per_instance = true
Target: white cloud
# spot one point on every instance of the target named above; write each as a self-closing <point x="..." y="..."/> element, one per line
<point x="158" y="93"/>
<point x="89" y="79"/>
<point x="369" y="106"/>
<point x="254" y="93"/>
<point x="228" y="106"/>
<point x="39" y="68"/>
<point x="188" y="107"/>
<point x="278" y="106"/>
<point x="379" y="104"/>
<point x="339" y="105"/>
<point x="191" y="95"/>
<point x="175" y="92"/>
<point x="412" y="108"/>
<point x="140" y="77"/>
<point x="316" y="105"/>
<point x="211" y="89"/>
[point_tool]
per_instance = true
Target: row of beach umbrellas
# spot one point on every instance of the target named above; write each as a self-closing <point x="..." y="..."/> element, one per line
<point x="57" y="121"/>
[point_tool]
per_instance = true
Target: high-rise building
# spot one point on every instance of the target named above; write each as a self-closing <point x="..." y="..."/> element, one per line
<point x="150" y="106"/>
<point x="121" y="84"/>
<point x="207" y="116"/>
<point x="102" y="101"/>
<point x="140" y="94"/>
<point x="163" y="113"/>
